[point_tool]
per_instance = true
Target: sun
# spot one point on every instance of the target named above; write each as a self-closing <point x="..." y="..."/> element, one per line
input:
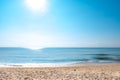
<point x="37" y="5"/>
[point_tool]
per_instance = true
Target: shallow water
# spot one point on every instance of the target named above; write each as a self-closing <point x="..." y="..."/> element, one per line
<point x="58" y="55"/>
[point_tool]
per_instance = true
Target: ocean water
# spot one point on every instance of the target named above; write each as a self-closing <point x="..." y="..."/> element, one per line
<point x="22" y="56"/>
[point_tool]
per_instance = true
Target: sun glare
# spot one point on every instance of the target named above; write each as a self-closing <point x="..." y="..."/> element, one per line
<point x="37" y="5"/>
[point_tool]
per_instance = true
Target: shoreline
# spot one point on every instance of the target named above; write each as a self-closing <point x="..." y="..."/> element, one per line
<point x="70" y="64"/>
<point x="83" y="72"/>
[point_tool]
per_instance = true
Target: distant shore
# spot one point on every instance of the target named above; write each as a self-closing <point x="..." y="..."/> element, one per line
<point x="83" y="72"/>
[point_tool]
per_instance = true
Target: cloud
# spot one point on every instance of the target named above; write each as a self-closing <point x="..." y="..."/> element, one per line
<point x="37" y="6"/>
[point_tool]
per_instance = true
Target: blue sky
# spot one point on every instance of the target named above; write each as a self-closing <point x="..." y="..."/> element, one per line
<point x="59" y="23"/>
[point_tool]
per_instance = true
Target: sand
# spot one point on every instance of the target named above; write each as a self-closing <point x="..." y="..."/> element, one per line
<point x="87" y="72"/>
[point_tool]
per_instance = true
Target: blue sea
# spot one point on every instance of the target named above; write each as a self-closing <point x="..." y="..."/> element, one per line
<point x="15" y="56"/>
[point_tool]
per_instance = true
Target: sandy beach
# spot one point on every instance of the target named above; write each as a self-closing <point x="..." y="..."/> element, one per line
<point x="86" y="72"/>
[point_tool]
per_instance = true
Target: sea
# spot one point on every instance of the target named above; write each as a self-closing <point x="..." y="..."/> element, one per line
<point x="15" y="56"/>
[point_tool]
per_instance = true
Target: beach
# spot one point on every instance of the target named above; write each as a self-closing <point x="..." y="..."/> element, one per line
<point x="82" y="72"/>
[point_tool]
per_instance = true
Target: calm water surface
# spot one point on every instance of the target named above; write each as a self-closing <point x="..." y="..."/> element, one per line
<point x="59" y="55"/>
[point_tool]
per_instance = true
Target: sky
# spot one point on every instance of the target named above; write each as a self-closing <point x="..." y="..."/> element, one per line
<point x="59" y="23"/>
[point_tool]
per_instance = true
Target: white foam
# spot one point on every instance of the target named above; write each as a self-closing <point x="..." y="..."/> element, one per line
<point x="36" y="64"/>
<point x="53" y="64"/>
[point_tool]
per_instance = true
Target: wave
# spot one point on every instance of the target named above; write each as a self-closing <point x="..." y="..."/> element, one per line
<point x="60" y="64"/>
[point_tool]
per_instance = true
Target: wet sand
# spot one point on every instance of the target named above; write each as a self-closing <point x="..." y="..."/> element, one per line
<point x="87" y="72"/>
